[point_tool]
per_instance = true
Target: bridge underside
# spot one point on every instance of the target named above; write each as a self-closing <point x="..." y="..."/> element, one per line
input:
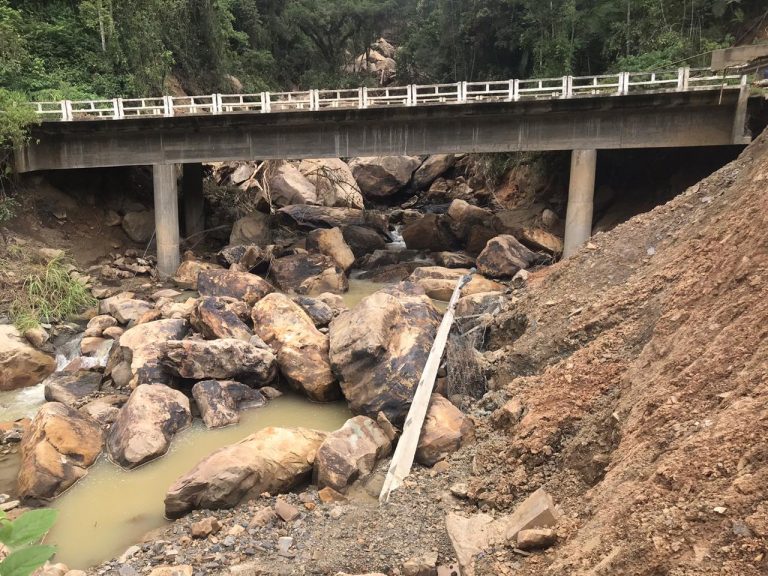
<point x="707" y="118"/>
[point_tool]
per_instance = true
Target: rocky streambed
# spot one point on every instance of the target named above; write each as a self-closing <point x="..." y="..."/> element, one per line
<point x="289" y="357"/>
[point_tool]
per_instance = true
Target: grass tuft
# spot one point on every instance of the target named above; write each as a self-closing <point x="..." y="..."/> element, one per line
<point x="50" y="296"/>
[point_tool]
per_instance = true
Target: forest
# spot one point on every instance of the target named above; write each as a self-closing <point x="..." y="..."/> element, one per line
<point x="56" y="49"/>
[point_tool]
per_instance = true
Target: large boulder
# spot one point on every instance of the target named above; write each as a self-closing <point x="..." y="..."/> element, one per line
<point x="453" y="260"/>
<point x="363" y="240"/>
<point x="70" y="388"/>
<point x="330" y="242"/>
<point x="188" y="271"/>
<point x="231" y="284"/>
<point x="220" y="403"/>
<point x="382" y="176"/>
<point x="127" y="311"/>
<point x="504" y="257"/>
<point x="463" y="217"/>
<point x="57" y="450"/>
<point x="379" y="348"/>
<point x="142" y="348"/>
<point x="334" y="182"/>
<point x="445" y="430"/>
<point x="432" y="168"/>
<point x="139" y="226"/>
<point x="289" y="187"/>
<point x="309" y="274"/>
<point x="224" y="359"/>
<point x="540" y="239"/>
<point x="439" y="283"/>
<point x="350" y="453"/>
<point x="302" y="350"/>
<point x="146" y="425"/>
<point x="253" y="229"/>
<point x="214" y="318"/>
<point x="310" y="217"/>
<point x="429" y="233"/>
<point x="272" y="460"/>
<point x="20" y="364"/>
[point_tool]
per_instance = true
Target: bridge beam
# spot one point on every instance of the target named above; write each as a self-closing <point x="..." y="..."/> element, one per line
<point x="166" y="218"/>
<point x="193" y="202"/>
<point x="581" y="196"/>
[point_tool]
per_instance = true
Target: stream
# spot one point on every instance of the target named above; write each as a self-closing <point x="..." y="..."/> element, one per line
<point x="111" y="509"/>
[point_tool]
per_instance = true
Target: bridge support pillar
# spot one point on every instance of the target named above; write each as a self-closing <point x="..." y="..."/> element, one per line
<point x="192" y="194"/>
<point x="166" y="219"/>
<point x="581" y="195"/>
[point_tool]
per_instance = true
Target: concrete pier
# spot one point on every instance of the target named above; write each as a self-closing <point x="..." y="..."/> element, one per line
<point x="166" y="218"/>
<point x="192" y="197"/>
<point x="581" y="196"/>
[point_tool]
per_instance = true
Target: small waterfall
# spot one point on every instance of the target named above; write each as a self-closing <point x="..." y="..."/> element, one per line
<point x="397" y="243"/>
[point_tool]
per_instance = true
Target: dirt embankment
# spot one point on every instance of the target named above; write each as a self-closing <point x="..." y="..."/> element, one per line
<point x="641" y="370"/>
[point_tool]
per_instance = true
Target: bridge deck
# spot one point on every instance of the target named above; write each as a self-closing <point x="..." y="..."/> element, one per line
<point x="670" y="119"/>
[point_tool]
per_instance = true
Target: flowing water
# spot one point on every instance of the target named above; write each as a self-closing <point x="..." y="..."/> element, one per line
<point x="111" y="509"/>
<point x="21" y="403"/>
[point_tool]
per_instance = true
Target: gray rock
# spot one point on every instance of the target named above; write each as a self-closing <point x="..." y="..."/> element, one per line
<point x="71" y="387"/>
<point x="139" y="226"/>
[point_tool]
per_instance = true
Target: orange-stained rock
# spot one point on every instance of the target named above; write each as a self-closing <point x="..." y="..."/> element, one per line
<point x="20" y="364"/>
<point x="57" y="450"/>
<point x="143" y="431"/>
<point x="272" y="460"/>
<point x="439" y="283"/>
<point x="301" y="349"/>
<point x="240" y="285"/>
<point x="349" y="453"/>
<point x="445" y="430"/>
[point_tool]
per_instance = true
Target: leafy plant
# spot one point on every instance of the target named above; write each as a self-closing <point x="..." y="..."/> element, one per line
<point x="50" y="296"/>
<point x="8" y="207"/>
<point x="20" y="537"/>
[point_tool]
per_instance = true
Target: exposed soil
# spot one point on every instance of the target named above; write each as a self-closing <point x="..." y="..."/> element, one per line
<point x="640" y="367"/>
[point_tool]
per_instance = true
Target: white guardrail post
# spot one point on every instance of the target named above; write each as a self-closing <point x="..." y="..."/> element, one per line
<point x="623" y="83"/>
<point x="216" y="103"/>
<point x="683" y="78"/>
<point x="167" y="106"/>
<point x="567" y="86"/>
<point x="314" y="100"/>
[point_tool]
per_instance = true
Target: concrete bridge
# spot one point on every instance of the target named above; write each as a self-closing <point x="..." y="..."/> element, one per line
<point x="583" y="114"/>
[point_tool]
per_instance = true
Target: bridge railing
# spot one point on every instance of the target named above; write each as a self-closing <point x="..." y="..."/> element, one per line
<point x="133" y="107"/>
<point x="389" y="96"/>
<point x="230" y="103"/>
<point x="349" y="98"/>
<point x="681" y="80"/>
<point x="437" y="93"/>
<point x="498" y="91"/>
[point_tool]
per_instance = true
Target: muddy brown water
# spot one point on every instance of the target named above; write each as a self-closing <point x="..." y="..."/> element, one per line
<point x="111" y="509"/>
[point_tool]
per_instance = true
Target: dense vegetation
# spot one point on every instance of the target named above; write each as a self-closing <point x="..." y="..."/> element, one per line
<point x="53" y="49"/>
